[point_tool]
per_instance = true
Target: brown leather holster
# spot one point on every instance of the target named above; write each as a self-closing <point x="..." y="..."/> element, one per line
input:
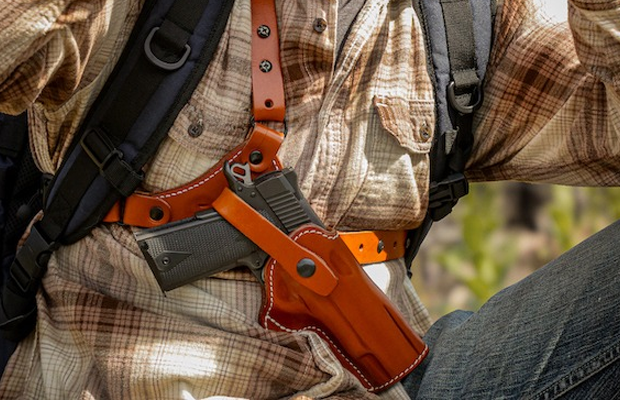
<point x="314" y="283"/>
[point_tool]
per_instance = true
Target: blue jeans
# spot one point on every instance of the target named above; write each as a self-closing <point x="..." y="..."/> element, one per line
<point x="556" y="334"/>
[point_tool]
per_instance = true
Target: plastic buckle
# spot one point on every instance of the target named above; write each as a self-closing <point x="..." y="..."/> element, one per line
<point x="444" y="195"/>
<point x="31" y="260"/>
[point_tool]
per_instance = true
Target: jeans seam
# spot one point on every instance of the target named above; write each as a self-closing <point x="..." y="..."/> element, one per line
<point x="575" y="377"/>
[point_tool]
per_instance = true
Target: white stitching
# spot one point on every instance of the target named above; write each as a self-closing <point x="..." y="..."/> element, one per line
<point x="306" y="231"/>
<point x="197" y="184"/>
<point x="271" y="269"/>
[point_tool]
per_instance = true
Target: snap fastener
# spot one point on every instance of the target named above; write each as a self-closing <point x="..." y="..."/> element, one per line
<point x="265" y="66"/>
<point x="263" y="31"/>
<point x="320" y="25"/>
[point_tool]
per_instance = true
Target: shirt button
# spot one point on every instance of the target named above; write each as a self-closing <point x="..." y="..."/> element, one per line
<point x="425" y="130"/>
<point x="320" y="25"/>
<point x="195" y="130"/>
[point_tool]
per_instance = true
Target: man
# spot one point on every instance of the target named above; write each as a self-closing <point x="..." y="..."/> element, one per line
<point x="358" y="114"/>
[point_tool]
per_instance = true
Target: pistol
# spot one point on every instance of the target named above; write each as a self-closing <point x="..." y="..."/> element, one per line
<point x="312" y="281"/>
<point x="184" y="251"/>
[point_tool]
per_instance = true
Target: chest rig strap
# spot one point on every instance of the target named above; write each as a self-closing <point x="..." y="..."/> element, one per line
<point x="267" y="82"/>
<point x="148" y="210"/>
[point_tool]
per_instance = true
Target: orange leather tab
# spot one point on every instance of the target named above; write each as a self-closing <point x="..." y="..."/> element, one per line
<point x="267" y="82"/>
<point x="150" y="210"/>
<point x="276" y="243"/>
<point x="366" y="332"/>
<point x="371" y="247"/>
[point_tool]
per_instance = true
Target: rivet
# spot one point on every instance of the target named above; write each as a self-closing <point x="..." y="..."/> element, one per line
<point x="265" y="66"/>
<point x="256" y="157"/>
<point x="306" y="268"/>
<point x="380" y="246"/>
<point x="156" y="213"/>
<point x="263" y="31"/>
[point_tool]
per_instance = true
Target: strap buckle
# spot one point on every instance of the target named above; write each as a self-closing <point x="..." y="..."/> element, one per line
<point x="445" y="194"/>
<point x="99" y="150"/>
<point x="18" y="304"/>
<point x="31" y="260"/>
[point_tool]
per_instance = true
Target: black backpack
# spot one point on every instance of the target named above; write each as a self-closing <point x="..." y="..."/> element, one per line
<point x="21" y="188"/>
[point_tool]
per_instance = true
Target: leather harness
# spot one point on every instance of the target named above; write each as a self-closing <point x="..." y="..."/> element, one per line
<point x="148" y="210"/>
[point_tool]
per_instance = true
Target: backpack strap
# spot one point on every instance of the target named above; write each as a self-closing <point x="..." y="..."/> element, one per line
<point x="260" y="149"/>
<point x="20" y="185"/>
<point x="13" y="135"/>
<point x="165" y="58"/>
<point x="458" y="37"/>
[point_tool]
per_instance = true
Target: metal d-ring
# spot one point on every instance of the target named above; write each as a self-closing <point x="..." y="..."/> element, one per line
<point x="168" y="66"/>
<point x="465" y="109"/>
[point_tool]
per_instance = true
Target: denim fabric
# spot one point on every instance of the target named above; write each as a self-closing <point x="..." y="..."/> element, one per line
<point x="556" y="334"/>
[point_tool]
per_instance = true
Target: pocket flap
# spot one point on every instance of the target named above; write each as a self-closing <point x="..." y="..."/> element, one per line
<point x="410" y="122"/>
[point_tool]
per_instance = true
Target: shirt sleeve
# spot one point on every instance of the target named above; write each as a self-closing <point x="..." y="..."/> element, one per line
<point x="552" y="105"/>
<point x="46" y="47"/>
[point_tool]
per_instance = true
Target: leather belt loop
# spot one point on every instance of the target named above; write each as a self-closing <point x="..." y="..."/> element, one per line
<point x="276" y="243"/>
<point x="267" y="81"/>
<point x="371" y="247"/>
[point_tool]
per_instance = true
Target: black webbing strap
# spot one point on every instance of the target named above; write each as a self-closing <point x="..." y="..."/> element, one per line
<point x="13" y="136"/>
<point x="166" y="48"/>
<point x="464" y="91"/>
<point x="104" y="162"/>
<point x="458" y="88"/>
<point x="458" y="20"/>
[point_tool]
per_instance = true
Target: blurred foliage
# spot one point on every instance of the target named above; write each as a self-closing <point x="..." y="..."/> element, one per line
<point x="485" y="252"/>
<point x="481" y="260"/>
<point x="579" y="212"/>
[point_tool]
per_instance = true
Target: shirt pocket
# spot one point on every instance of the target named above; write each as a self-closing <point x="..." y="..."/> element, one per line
<point x="393" y="191"/>
<point x="410" y="122"/>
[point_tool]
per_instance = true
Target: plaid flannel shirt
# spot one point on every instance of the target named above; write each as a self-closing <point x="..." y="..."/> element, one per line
<point x="356" y="123"/>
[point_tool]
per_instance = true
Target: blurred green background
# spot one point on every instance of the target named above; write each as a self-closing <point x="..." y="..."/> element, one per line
<point x="500" y="233"/>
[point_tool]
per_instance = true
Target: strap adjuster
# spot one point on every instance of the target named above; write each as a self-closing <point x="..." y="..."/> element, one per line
<point x="109" y="161"/>
<point x="444" y="195"/>
<point x="99" y="149"/>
